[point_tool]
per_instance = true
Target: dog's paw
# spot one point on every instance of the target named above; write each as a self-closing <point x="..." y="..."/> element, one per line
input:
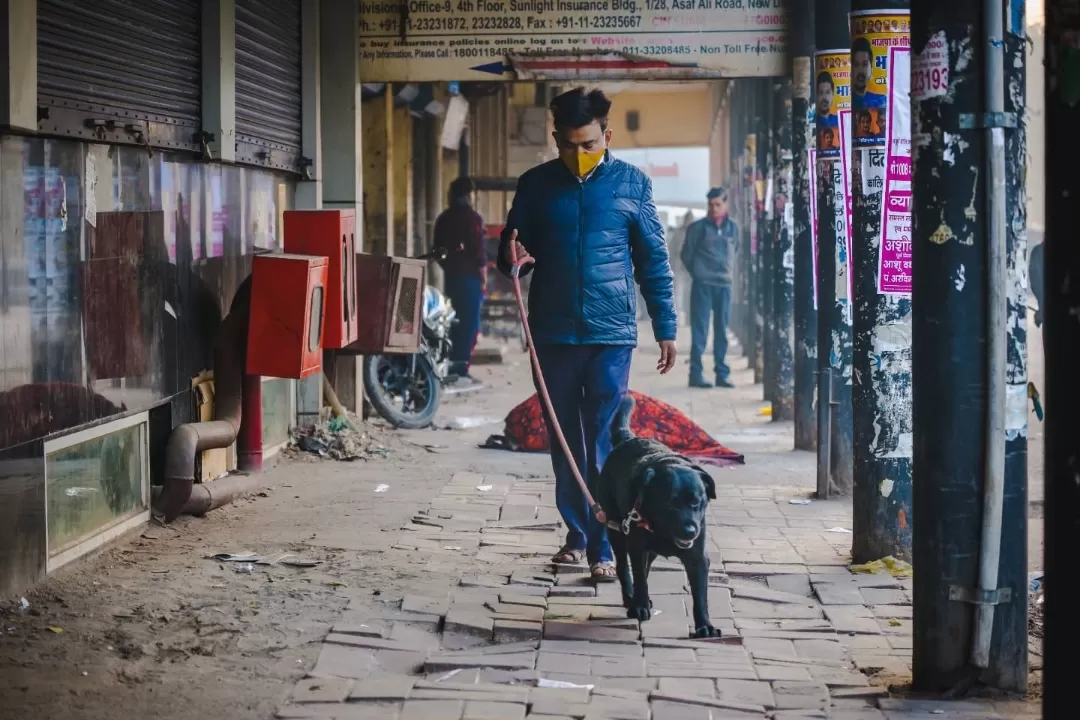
<point x="636" y="612"/>
<point x="628" y="601"/>
<point x="706" y="631"/>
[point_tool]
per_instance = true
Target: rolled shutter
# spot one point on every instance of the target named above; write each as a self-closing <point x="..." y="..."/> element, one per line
<point x="121" y="71"/>
<point x="268" y="101"/>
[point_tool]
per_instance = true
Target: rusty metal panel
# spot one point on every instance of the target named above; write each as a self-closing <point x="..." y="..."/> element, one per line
<point x="110" y="63"/>
<point x="268" y="80"/>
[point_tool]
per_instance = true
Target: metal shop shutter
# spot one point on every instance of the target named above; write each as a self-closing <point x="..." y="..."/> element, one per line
<point x="268" y="104"/>
<point x="121" y="71"/>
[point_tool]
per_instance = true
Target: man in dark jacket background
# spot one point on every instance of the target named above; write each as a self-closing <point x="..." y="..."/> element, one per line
<point x="459" y="230"/>
<point x="706" y="254"/>
<point x="590" y="222"/>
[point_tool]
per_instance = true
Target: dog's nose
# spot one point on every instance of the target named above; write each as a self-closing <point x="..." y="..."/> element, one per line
<point x="690" y="529"/>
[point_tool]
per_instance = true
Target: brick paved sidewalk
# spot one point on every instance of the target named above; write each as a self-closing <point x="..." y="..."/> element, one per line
<point x="517" y="638"/>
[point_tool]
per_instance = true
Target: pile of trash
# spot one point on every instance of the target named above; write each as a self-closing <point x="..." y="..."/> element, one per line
<point x="1035" y="605"/>
<point x="337" y="438"/>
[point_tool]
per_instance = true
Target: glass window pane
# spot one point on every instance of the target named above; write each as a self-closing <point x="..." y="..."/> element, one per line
<point x="276" y="411"/>
<point x="94" y="485"/>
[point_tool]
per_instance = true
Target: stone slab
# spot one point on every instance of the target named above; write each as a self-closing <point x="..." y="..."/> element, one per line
<point x="317" y="690"/>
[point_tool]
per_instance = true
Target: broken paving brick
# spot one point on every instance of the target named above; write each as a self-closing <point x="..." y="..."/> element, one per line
<point x="704" y="687"/>
<point x="591" y="649"/>
<point x="468" y="623"/>
<point x="483" y="710"/>
<point x="800" y="695"/>
<point x="431" y="710"/>
<point x="373" y="643"/>
<point x="384" y="687"/>
<point x="519" y="598"/>
<point x="509" y="661"/>
<point x="589" y="632"/>
<point x="618" y="667"/>
<point x="425" y="605"/>
<point x="343" y="662"/>
<point x="318" y="690"/>
<point x="516" y="630"/>
<point x="547" y="662"/>
<point x="716" y="703"/>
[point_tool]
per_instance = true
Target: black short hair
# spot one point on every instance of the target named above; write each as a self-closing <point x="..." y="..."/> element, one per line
<point x="861" y="45"/>
<point x="577" y="108"/>
<point x="717" y="192"/>
<point x="825" y="77"/>
<point x="461" y="187"/>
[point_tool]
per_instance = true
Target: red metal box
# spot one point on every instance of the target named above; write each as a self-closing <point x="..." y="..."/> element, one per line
<point x="288" y="293"/>
<point x="391" y="292"/>
<point x="331" y="234"/>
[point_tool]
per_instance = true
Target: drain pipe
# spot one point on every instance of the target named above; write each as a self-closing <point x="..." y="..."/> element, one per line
<point x="180" y="494"/>
<point x="997" y="328"/>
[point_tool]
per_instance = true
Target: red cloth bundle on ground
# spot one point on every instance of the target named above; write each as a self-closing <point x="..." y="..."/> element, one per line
<point x="525" y="431"/>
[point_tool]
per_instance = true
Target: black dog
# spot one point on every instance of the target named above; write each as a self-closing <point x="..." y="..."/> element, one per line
<point x="655" y="501"/>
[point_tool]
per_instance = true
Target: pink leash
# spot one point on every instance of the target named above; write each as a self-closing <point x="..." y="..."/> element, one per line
<point x="515" y="273"/>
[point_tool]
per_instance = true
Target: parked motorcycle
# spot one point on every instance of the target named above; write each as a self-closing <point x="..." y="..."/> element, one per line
<point x="406" y="389"/>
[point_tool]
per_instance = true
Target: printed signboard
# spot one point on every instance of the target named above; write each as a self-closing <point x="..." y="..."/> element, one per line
<point x="439" y="40"/>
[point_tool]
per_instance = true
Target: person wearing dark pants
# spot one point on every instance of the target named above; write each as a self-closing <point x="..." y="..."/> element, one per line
<point x="706" y="254"/>
<point x="589" y="222"/>
<point x="459" y="230"/>
<point x="586" y="384"/>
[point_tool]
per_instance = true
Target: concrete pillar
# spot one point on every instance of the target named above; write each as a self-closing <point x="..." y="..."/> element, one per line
<point x="332" y="140"/>
<point x="378" y="175"/>
<point x="401" y="140"/>
<point x="219" y="77"/>
<point x="309" y="192"/>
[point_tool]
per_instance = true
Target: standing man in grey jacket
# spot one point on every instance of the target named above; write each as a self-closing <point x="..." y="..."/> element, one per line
<point x="707" y="253"/>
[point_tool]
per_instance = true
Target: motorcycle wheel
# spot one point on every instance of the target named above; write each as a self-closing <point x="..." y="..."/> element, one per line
<point x="406" y="399"/>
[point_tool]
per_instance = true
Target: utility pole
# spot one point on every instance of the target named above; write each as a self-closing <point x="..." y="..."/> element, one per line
<point x="783" y="401"/>
<point x="881" y="263"/>
<point x="969" y="347"/>
<point x="767" y="239"/>
<point x="759" y="228"/>
<point x="801" y="38"/>
<point x="1061" y="342"/>
<point x="734" y="188"/>
<point x="832" y="179"/>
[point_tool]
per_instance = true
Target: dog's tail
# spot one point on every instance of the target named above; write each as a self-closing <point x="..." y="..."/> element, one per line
<point x="620" y="424"/>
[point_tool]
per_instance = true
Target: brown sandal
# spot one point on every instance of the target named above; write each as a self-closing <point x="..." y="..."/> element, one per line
<point x="567" y="556"/>
<point x="603" y="572"/>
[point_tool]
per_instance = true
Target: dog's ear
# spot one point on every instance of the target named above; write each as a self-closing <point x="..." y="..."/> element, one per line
<point x="710" y="484"/>
<point x="647" y="475"/>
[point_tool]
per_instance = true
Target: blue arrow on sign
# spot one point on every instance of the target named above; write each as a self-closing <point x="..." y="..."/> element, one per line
<point x="495" y="68"/>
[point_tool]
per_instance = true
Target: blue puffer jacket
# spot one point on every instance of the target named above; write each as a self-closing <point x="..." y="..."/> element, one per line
<point x="590" y="239"/>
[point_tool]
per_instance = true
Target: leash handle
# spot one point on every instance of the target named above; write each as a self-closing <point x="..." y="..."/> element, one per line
<point x="515" y="275"/>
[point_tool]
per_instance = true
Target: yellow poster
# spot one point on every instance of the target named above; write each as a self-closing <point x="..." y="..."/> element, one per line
<point x="832" y="98"/>
<point x="873" y="34"/>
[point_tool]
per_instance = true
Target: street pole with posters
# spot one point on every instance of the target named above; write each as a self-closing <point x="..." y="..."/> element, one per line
<point x="783" y="400"/>
<point x="763" y="108"/>
<point x="832" y="103"/>
<point x="768" y="237"/>
<point x="801" y="35"/>
<point x="969" y="347"/>
<point x="881" y="239"/>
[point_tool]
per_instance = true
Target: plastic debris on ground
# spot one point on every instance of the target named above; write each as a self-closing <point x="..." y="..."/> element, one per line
<point x="845" y="531"/>
<point x="469" y="422"/>
<point x="889" y="564"/>
<point x="337" y="439"/>
<point x="799" y="501"/>
<point x="765" y="411"/>
<point x="244" y="568"/>
<point x="1035" y="604"/>
<point x="382" y="488"/>
<point x="484" y="488"/>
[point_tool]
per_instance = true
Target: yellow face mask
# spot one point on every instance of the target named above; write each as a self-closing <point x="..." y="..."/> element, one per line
<point x="581" y="162"/>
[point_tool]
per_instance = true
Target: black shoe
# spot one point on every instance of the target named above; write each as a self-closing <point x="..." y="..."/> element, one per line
<point x="724" y="384"/>
<point x="700" y="383"/>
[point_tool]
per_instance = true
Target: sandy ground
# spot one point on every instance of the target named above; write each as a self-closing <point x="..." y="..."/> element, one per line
<point x="152" y="628"/>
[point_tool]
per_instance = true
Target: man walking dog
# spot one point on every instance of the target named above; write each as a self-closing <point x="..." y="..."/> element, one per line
<point x="591" y="225"/>
<point x="706" y="254"/>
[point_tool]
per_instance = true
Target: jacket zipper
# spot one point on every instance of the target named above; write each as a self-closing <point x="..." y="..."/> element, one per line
<point x="581" y="261"/>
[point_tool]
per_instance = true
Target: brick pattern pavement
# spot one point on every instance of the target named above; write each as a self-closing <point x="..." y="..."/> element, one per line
<point x="519" y="638"/>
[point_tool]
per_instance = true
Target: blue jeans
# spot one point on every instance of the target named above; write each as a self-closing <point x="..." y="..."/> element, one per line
<point x="706" y="300"/>
<point x="586" y="384"/>
<point x="466" y="293"/>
